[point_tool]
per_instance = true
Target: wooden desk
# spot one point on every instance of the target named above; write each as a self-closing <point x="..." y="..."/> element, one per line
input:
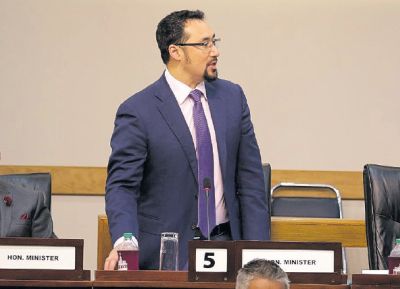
<point x="44" y="284"/>
<point x="143" y="284"/>
<point x="199" y="285"/>
<point x="366" y="281"/>
<point x="351" y="233"/>
<point x="165" y="279"/>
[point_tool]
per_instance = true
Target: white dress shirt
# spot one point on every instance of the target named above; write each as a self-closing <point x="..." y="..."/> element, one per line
<point x="186" y="103"/>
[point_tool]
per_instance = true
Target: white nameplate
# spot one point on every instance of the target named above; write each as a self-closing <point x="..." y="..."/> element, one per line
<point x="294" y="260"/>
<point x="37" y="257"/>
<point x="375" y="272"/>
<point x="211" y="260"/>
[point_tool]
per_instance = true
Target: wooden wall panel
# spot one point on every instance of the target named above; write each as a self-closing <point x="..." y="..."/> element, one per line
<point x="351" y="233"/>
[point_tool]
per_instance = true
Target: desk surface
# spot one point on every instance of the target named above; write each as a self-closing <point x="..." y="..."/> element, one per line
<point x="179" y="280"/>
<point x="142" y="284"/>
<point x="45" y="284"/>
<point x="165" y="279"/>
<point x="197" y="285"/>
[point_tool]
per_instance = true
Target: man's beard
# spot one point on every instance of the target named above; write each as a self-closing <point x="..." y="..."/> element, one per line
<point x="208" y="77"/>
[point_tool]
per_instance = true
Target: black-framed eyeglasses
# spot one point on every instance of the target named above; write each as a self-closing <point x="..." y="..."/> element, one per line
<point x="206" y="44"/>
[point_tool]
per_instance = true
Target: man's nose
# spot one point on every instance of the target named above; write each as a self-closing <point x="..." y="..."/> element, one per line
<point x="214" y="51"/>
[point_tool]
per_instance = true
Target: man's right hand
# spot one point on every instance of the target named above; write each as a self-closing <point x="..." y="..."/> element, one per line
<point x="111" y="260"/>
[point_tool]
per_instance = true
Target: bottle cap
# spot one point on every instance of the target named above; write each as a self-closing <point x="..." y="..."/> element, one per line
<point x="129" y="236"/>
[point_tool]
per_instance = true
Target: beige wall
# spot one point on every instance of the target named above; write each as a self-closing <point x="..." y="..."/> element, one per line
<point x="321" y="79"/>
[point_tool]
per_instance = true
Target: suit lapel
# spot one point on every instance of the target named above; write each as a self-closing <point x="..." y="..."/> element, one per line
<point x="217" y="110"/>
<point x="172" y="114"/>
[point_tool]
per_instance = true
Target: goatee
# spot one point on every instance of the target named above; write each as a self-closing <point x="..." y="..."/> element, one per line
<point x="208" y="77"/>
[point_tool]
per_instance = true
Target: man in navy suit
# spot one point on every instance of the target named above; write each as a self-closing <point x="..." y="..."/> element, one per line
<point x="153" y="181"/>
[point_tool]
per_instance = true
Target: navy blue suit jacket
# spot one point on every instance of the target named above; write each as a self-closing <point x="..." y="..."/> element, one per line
<point x="152" y="172"/>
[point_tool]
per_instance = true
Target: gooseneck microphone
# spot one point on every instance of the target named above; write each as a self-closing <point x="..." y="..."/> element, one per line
<point x="207" y="188"/>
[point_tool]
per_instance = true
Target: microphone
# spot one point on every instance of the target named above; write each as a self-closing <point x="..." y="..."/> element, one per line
<point x="207" y="188"/>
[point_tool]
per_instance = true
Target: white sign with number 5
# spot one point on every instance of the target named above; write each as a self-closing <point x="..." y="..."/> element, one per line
<point x="211" y="260"/>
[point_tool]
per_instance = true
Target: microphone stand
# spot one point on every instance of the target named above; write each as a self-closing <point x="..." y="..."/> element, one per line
<point x="207" y="190"/>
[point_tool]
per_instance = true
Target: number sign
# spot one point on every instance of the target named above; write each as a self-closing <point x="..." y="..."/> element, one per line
<point x="211" y="260"/>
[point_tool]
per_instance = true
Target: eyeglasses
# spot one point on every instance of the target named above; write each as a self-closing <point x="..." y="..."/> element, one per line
<point x="205" y="45"/>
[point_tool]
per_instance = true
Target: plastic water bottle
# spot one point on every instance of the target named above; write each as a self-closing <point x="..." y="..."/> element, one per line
<point x="394" y="259"/>
<point x="128" y="253"/>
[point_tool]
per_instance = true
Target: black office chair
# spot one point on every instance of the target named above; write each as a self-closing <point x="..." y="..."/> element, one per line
<point x="382" y="212"/>
<point x="267" y="179"/>
<point x="307" y="201"/>
<point x="40" y="182"/>
<point x="327" y="205"/>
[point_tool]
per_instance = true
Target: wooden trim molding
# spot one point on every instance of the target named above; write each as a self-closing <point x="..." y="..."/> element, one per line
<point x="67" y="180"/>
<point x="91" y="180"/>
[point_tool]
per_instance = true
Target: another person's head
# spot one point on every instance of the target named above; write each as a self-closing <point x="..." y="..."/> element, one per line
<point x="187" y="46"/>
<point x="262" y="274"/>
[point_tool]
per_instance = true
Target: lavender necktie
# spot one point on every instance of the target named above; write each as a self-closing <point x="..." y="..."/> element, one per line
<point x="206" y="217"/>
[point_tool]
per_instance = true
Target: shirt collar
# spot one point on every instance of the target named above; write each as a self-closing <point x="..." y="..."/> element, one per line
<point x="181" y="90"/>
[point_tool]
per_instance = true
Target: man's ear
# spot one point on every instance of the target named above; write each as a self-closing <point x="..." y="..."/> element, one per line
<point x="175" y="52"/>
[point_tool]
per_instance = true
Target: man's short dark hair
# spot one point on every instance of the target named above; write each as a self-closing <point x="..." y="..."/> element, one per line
<point x="261" y="268"/>
<point x="170" y="30"/>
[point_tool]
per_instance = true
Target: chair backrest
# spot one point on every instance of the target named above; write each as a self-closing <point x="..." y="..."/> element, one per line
<point x="40" y="182"/>
<point x="267" y="179"/>
<point x="327" y="204"/>
<point x="307" y="201"/>
<point x="382" y="212"/>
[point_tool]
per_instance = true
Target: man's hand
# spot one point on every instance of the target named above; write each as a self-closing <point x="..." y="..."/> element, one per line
<point x="111" y="260"/>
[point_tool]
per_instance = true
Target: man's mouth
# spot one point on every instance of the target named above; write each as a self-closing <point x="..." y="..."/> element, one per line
<point x="213" y="64"/>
